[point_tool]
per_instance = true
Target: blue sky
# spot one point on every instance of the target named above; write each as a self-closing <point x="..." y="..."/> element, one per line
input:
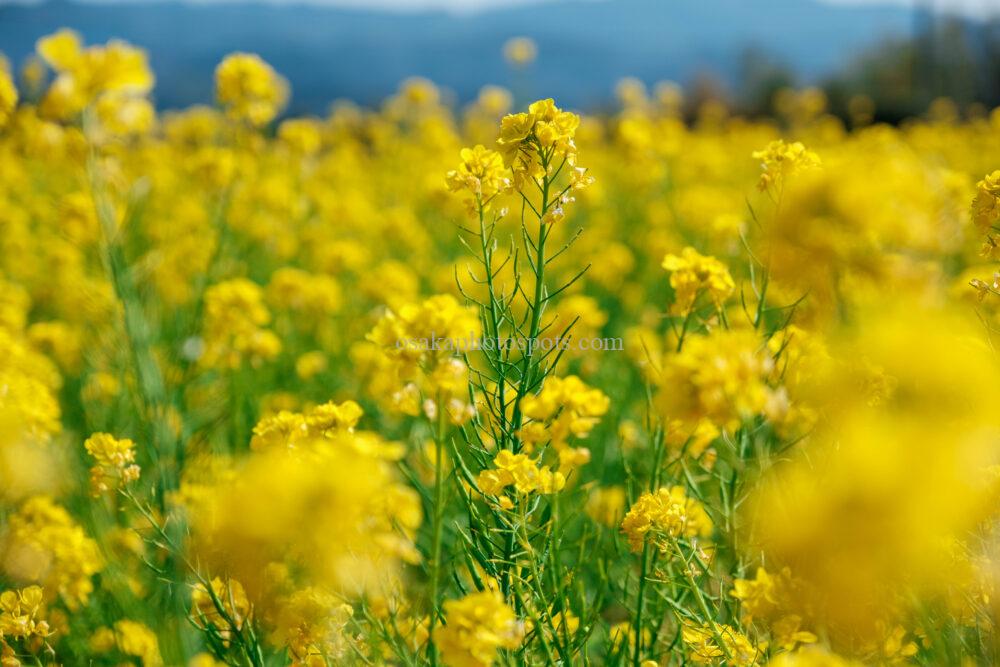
<point x="977" y="8"/>
<point x="972" y="7"/>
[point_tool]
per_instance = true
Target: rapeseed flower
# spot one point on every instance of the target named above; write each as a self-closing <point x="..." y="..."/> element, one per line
<point x="780" y="161"/>
<point x="693" y="274"/>
<point x="664" y="515"/>
<point x="115" y="461"/>
<point x="249" y="89"/>
<point x="476" y="628"/>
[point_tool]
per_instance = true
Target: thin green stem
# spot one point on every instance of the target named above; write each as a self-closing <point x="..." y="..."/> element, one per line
<point x="700" y="599"/>
<point x="437" y="519"/>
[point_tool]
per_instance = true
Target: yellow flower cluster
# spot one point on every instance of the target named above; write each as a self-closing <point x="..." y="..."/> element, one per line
<point x="24" y="632"/>
<point x="28" y="386"/>
<point x="722" y="377"/>
<point x="986" y="204"/>
<point x="234" y="330"/>
<point x="231" y="596"/>
<point x="362" y="518"/>
<point x="664" y="515"/>
<point x="293" y="429"/>
<point x="693" y="274"/>
<point x="249" y="89"/>
<point x="481" y="174"/>
<point x="314" y="296"/>
<point x="606" y="505"/>
<point x="21" y="614"/>
<point x="520" y="51"/>
<point x="115" y="462"/>
<point x="532" y="143"/>
<point x="564" y="408"/>
<point x="44" y="545"/>
<point x="114" y="78"/>
<point x="780" y="161"/>
<point x="8" y="97"/>
<point x="313" y="625"/>
<point x="771" y="598"/>
<point x="705" y="648"/>
<point x="520" y="471"/>
<point x="419" y="350"/>
<point x="890" y="468"/>
<point x="476" y="628"/>
<point x="130" y="639"/>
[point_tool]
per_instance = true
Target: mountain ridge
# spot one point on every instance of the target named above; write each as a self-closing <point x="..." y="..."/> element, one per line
<point x="362" y="54"/>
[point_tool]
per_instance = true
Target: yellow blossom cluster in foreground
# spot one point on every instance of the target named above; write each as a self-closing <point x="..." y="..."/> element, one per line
<point x="499" y="385"/>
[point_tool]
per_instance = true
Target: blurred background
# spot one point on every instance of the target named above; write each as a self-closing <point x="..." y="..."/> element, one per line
<point x="900" y="55"/>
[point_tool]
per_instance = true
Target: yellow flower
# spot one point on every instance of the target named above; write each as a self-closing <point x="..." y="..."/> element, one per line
<point x="515" y="128"/>
<point x="88" y="75"/>
<point x="811" y="657"/>
<point x="204" y="660"/>
<point x="722" y="377"/>
<point x="606" y="505"/>
<point x="311" y="364"/>
<point x="124" y="115"/>
<point x="136" y="639"/>
<point x="62" y="50"/>
<point x="780" y="161"/>
<point x="8" y="97"/>
<point x="301" y="135"/>
<point x="233" y="327"/>
<point x="21" y="614"/>
<point x="45" y="545"/>
<point x="623" y="636"/>
<point x="312" y="624"/>
<point x="316" y="296"/>
<point x="563" y="408"/>
<point x="681" y="436"/>
<point x="115" y="462"/>
<point x="520" y="51"/>
<point x="759" y="595"/>
<point x="543" y="136"/>
<point x="361" y="518"/>
<point x="233" y="599"/>
<point x="704" y="648"/>
<point x="292" y="430"/>
<point x="788" y="633"/>
<point x="60" y="340"/>
<point x="481" y="174"/>
<point x="475" y="628"/>
<point x="692" y="274"/>
<point x="522" y="472"/>
<point x="418" y="352"/>
<point x="986" y="205"/>
<point x="249" y="89"/>
<point x="665" y="514"/>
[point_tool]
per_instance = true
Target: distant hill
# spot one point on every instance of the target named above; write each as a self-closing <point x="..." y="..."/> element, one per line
<point x="330" y="53"/>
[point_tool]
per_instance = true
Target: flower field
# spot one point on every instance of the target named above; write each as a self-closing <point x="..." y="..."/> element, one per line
<point x="490" y="385"/>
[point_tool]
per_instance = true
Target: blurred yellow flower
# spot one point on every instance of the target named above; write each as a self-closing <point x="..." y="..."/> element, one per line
<point x="475" y="628"/>
<point x="249" y="89"/>
<point x="520" y="51"/>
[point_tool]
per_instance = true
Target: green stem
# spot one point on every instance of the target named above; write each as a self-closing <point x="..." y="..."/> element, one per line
<point x="151" y="386"/>
<point x="494" y="325"/>
<point x="536" y="579"/>
<point x="522" y="388"/>
<point x="527" y="370"/>
<point x="645" y="565"/>
<point x="437" y="520"/>
<point x="700" y="599"/>
<point x="640" y="600"/>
